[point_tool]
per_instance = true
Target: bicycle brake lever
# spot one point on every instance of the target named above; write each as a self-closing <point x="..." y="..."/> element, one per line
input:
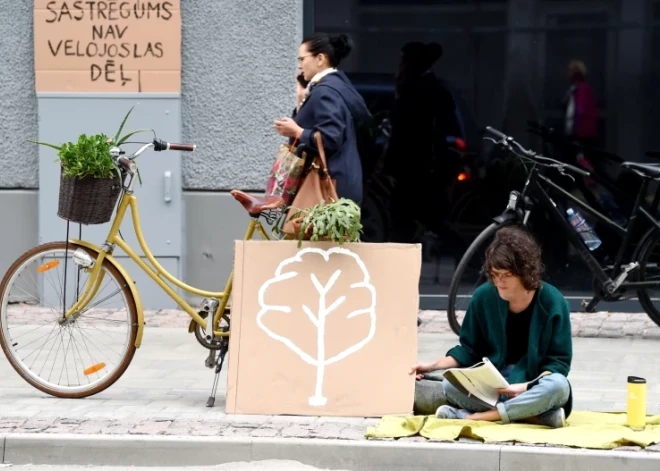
<point x="562" y="171"/>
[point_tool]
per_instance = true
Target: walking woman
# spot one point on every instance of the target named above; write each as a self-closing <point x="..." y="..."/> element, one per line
<point x="331" y="106"/>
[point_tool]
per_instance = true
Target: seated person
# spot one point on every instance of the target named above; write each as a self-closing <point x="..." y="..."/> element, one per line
<point x="522" y="325"/>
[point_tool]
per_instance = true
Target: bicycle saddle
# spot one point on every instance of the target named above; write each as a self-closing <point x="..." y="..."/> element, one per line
<point x="256" y="204"/>
<point x="650" y="171"/>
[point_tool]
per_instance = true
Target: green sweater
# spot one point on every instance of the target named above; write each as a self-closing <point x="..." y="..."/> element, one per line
<point x="550" y="343"/>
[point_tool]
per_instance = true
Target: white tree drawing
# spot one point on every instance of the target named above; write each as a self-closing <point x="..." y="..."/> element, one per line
<point x="325" y="307"/>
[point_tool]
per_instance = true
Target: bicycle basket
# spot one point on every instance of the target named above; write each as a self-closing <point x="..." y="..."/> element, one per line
<point x="88" y="200"/>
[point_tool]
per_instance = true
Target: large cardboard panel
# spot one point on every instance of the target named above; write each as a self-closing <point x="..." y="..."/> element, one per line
<point x="106" y="46"/>
<point x="323" y="330"/>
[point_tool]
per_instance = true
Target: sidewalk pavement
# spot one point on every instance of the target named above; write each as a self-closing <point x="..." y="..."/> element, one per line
<point x="596" y="324"/>
<point x="156" y="415"/>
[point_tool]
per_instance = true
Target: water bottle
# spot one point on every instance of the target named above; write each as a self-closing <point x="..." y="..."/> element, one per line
<point x="636" y="411"/>
<point x="585" y="231"/>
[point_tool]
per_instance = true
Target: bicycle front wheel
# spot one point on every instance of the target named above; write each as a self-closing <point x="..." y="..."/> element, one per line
<point x="71" y="358"/>
<point x="469" y="275"/>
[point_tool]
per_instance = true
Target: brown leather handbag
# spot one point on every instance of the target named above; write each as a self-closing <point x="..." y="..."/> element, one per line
<point x="317" y="186"/>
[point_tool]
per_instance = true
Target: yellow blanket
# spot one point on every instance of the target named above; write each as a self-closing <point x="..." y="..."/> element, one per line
<point x="601" y="430"/>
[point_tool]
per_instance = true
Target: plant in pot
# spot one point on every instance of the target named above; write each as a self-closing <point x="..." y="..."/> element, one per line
<point x="90" y="183"/>
<point x="338" y="221"/>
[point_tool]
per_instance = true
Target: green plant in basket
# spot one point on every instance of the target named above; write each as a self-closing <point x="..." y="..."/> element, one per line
<point x="338" y="222"/>
<point x="89" y="181"/>
<point x="89" y="156"/>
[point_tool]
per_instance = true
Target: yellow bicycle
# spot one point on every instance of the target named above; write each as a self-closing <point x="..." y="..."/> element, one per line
<point x="78" y="333"/>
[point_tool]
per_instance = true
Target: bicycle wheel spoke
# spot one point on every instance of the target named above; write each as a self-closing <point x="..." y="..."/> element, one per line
<point x="104" y="344"/>
<point x="73" y="357"/>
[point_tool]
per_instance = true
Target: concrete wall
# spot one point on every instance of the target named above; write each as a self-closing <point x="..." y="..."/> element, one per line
<point x="239" y="63"/>
<point x="238" y="66"/>
<point x="19" y="161"/>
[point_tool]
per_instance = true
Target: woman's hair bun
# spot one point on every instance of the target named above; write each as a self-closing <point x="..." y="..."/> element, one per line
<point x="342" y="45"/>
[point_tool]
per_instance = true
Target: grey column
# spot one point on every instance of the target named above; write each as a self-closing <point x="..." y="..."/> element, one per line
<point x="629" y="116"/>
<point x="520" y="85"/>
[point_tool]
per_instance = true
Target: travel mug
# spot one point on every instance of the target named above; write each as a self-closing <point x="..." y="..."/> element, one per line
<point x="636" y="403"/>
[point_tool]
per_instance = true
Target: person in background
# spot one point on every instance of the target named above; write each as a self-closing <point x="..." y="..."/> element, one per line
<point x="332" y="106"/>
<point x="581" y="111"/>
<point x="522" y="325"/>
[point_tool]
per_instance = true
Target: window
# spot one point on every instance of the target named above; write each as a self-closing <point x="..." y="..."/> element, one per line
<point x="504" y="63"/>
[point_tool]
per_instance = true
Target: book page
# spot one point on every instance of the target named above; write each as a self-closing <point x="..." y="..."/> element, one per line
<point x="479" y="381"/>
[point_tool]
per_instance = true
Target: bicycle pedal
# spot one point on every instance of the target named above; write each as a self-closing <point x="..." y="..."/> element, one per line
<point x="591" y="306"/>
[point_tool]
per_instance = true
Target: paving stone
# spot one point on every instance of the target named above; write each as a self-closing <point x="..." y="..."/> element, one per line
<point x="61" y="428"/>
<point x="589" y="332"/>
<point x="36" y="425"/>
<point x="92" y="426"/>
<point x="120" y="427"/>
<point x="286" y="420"/>
<point x="239" y="432"/>
<point x="295" y="431"/>
<point x="655" y="447"/>
<point x="264" y="432"/>
<point x="352" y="433"/>
<point x="208" y="428"/>
<point x="151" y="427"/>
<point x="413" y="439"/>
<point x="11" y="423"/>
<point x="330" y="430"/>
<point x="248" y="421"/>
<point x="181" y="427"/>
<point x="341" y="420"/>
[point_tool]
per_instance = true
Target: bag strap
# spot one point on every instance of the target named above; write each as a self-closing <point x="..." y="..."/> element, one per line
<point x="319" y="146"/>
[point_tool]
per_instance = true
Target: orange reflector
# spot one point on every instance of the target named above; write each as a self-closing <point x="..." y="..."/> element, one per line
<point x="94" y="368"/>
<point x="48" y="266"/>
<point x="462" y="176"/>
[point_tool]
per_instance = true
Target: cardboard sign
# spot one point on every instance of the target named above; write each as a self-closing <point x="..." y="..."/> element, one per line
<point x="107" y="46"/>
<point x="323" y="330"/>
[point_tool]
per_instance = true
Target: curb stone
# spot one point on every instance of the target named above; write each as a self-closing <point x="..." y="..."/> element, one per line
<point x="132" y="450"/>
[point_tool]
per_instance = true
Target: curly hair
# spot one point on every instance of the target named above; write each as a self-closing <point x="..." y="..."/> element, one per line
<point x="516" y="251"/>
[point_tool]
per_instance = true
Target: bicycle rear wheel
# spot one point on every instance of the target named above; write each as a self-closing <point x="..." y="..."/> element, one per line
<point x="72" y="358"/>
<point x="649" y="270"/>
<point x="469" y="275"/>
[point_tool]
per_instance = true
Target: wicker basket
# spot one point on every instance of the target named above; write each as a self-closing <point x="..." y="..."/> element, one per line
<point x="88" y="200"/>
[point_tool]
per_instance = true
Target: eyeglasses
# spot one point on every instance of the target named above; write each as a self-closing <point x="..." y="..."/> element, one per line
<point x="500" y="276"/>
<point x="302" y="58"/>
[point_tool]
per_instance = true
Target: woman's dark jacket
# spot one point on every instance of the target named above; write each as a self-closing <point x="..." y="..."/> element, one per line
<point x="330" y="108"/>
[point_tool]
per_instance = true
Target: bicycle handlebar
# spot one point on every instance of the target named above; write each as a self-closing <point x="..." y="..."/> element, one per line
<point x="507" y="141"/>
<point x="501" y="136"/>
<point x="160" y="145"/>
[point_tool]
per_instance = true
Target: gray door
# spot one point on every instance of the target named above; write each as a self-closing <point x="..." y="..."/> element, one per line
<point x="63" y="117"/>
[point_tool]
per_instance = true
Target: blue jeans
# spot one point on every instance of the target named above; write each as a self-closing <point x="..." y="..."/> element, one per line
<point x="550" y="393"/>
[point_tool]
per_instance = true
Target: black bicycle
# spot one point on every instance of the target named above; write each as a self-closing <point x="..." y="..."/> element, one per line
<point x="611" y="282"/>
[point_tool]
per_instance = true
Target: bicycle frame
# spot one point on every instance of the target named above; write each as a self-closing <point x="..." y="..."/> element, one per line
<point x="536" y="184"/>
<point x="157" y="272"/>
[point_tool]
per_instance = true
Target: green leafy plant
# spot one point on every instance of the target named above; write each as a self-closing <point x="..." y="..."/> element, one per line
<point x="90" y="155"/>
<point x="338" y="222"/>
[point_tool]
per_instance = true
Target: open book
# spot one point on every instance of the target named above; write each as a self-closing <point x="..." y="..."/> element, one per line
<point x="478" y="382"/>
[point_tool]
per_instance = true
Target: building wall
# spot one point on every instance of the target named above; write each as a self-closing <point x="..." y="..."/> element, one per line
<point x="238" y="66"/>
<point x="239" y="61"/>
<point x="18" y="113"/>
